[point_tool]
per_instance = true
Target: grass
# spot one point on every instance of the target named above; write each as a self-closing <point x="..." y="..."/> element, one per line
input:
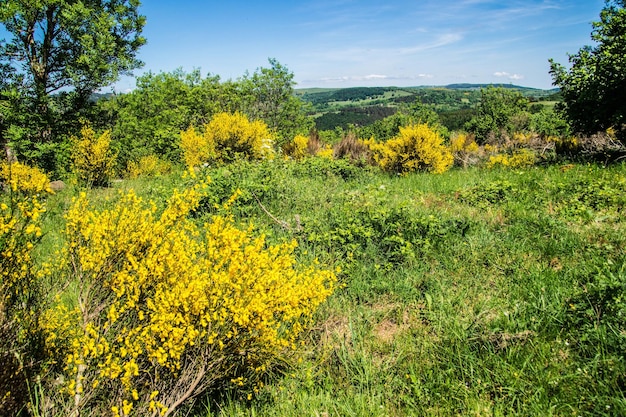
<point x="475" y="292"/>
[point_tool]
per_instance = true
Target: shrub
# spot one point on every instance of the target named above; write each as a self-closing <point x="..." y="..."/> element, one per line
<point x="93" y="160"/>
<point x="416" y="148"/>
<point x="196" y="148"/>
<point x="169" y="310"/>
<point x="226" y="138"/>
<point x="297" y="148"/>
<point x="352" y="148"/>
<point x="465" y="150"/>
<point x="326" y="152"/>
<point x="148" y="166"/>
<point x="483" y="195"/>
<point x="21" y="205"/>
<point x="519" y="158"/>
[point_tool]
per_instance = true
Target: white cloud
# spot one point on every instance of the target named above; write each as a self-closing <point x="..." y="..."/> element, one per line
<point x="375" y="77"/>
<point x="504" y="74"/>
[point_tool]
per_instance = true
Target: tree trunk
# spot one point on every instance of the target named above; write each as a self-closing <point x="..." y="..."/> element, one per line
<point x="9" y="154"/>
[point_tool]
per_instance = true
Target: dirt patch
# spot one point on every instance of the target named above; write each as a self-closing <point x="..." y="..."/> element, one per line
<point x="335" y="331"/>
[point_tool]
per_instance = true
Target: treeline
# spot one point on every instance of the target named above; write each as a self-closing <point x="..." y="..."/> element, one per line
<point x="346" y="94"/>
<point x="352" y="116"/>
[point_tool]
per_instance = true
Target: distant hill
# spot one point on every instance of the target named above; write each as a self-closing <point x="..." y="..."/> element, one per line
<point x="465" y="86"/>
<point x="360" y="106"/>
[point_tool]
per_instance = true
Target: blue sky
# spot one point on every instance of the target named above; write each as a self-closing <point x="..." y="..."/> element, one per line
<point x="346" y="43"/>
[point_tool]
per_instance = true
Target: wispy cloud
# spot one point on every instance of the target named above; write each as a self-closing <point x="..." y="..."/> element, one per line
<point x="442" y="40"/>
<point x="374" y="78"/>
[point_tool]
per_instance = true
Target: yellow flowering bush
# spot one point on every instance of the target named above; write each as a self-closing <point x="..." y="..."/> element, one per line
<point x="518" y="159"/>
<point x="227" y="137"/>
<point x="21" y="205"/>
<point x="326" y="152"/>
<point x="148" y="166"/>
<point x="297" y="148"/>
<point x="465" y="150"/>
<point x="416" y="148"/>
<point x="170" y="309"/>
<point x="22" y="202"/>
<point x="196" y="147"/>
<point x="92" y="157"/>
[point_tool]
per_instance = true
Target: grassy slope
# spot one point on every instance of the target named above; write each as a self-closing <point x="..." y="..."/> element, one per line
<point x="458" y="288"/>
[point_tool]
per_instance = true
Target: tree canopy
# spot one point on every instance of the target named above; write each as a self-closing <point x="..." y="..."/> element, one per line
<point x="66" y="44"/>
<point x="594" y="86"/>
<point x="57" y="53"/>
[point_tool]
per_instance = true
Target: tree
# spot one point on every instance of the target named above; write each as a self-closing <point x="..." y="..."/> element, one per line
<point x="148" y="120"/>
<point x="269" y="97"/>
<point x="500" y="113"/>
<point x="594" y="86"/>
<point x="59" y="52"/>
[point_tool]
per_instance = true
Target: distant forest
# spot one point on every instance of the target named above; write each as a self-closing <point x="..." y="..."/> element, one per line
<point x="362" y="106"/>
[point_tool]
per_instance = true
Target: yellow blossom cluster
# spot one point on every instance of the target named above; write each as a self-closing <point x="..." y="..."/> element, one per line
<point x="148" y="166"/>
<point x="297" y="148"/>
<point x="465" y="150"/>
<point x="519" y="158"/>
<point x="169" y="308"/>
<point x="92" y="157"/>
<point x="415" y="148"/>
<point x="225" y="138"/>
<point x="326" y="152"/>
<point x="22" y="201"/>
<point x="462" y="142"/>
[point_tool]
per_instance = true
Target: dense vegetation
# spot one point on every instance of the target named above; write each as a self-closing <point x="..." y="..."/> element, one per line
<point x="240" y="248"/>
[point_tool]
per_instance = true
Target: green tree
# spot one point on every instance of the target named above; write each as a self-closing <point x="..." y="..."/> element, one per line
<point x="59" y="52"/>
<point x="149" y="119"/>
<point x="269" y="96"/>
<point x="500" y="113"/>
<point x="593" y="87"/>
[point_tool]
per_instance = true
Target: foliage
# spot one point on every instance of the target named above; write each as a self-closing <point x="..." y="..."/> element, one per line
<point x="548" y="123"/>
<point x="593" y="86"/>
<point x="363" y="227"/>
<point x="591" y="198"/>
<point x="297" y="148"/>
<point x="93" y="160"/>
<point x="518" y="159"/>
<point x="268" y="95"/>
<point x="149" y="119"/>
<point x="595" y="326"/>
<point x="56" y="55"/>
<point x="353" y="149"/>
<point x="495" y="192"/>
<point x="416" y="148"/>
<point x="408" y="114"/>
<point x="465" y="150"/>
<point x="227" y="138"/>
<point x="352" y="116"/>
<point x="168" y="310"/>
<point x="148" y="166"/>
<point x="498" y="115"/>
<point x="22" y="204"/>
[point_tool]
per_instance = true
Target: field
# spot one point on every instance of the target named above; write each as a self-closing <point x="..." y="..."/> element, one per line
<point x="474" y="292"/>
